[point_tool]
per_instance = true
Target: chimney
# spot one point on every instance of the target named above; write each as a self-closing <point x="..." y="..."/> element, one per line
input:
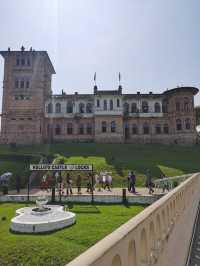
<point x="95" y="89"/>
<point x="150" y="92"/>
<point x="120" y="89"/>
<point x="76" y="93"/>
<point x="138" y="92"/>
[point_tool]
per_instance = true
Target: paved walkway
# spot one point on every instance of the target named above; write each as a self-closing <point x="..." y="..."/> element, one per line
<point x="140" y="191"/>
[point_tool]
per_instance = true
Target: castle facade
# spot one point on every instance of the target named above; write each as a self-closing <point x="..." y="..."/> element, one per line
<point x="32" y="114"/>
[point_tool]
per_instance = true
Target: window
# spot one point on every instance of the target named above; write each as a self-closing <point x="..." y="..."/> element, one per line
<point x="28" y="62"/>
<point x="69" y="129"/>
<point x="57" y="130"/>
<point x="178" y="125"/>
<point x="145" y="107"/>
<point x="22" y="61"/>
<point x="186" y="105"/>
<point x="188" y="124"/>
<point x="58" y="108"/>
<point x="16" y="83"/>
<point x="118" y="103"/>
<point x="27" y="84"/>
<point x="89" y="108"/>
<point x="133" y="108"/>
<point x="111" y="104"/>
<point x="22" y="84"/>
<point x="165" y="106"/>
<point x="158" y="129"/>
<point x="81" y="108"/>
<point x="81" y="129"/>
<point x="126" y="108"/>
<point x="113" y="127"/>
<point x="50" y="108"/>
<point x="69" y="108"/>
<point x="104" y="126"/>
<point x="105" y="105"/>
<point x="98" y="103"/>
<point x="157" y="108"/>
<point x="146" y="128"/>
<point x="134" y="129"/>
<point x="89" y="129"/>
<point x="17" y="62"/>
<point x="178" y="106"/>
<point x="166" y="129"/>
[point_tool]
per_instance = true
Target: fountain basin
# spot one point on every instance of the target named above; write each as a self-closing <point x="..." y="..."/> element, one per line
<point x="29" y="221"/>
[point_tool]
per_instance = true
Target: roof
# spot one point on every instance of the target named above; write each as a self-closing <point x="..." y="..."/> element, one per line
<point x="193" y="90"/>
<point x="6" y="53"/>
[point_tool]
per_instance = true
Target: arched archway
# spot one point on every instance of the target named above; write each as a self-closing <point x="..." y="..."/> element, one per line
<point x="132" y="254"/>
<point x="116" y="261"/>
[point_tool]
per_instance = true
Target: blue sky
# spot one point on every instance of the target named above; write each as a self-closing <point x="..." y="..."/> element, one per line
<point x="155" y="44"/>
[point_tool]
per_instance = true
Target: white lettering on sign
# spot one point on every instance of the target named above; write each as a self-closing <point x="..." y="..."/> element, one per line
<point x="61" y="167"/>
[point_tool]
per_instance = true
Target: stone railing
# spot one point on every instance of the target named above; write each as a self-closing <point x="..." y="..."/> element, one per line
<point x="160" y="235"/>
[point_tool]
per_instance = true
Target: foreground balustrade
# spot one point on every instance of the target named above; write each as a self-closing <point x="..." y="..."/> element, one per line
<point x="143" y="240"/>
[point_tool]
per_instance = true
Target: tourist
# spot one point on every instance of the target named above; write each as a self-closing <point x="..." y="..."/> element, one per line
<point x="132" y="182"/>
<point x="78" y="183"/>
<point x="108" y="182"/>
<point x="89" y="183"/>
<point x="165" y="183"/>
<point x="149" y="183"/>
<point x="69" y="184"/>
<point x="128" y="181"/>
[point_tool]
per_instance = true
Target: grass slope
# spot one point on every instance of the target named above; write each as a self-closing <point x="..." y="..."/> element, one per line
<point x="58" y="248"/>
<point x="119" y="158"/>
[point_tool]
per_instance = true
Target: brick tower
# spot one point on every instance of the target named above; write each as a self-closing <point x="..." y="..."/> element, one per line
<point x="26" y="86"/>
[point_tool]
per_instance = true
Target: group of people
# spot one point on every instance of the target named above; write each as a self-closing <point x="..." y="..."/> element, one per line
<point x="132" y="181"/>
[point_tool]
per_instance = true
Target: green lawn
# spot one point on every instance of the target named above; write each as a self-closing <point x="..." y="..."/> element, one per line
<point x="117" y="158"/>
<point x="58" y="248"/>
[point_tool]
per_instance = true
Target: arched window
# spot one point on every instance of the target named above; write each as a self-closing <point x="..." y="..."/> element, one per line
<point x="98" y="103"/>
<point x="89" y="108"/>
<point x="105" y="105"/>
<point x="22" y="84"/>
<point x="89" y="129"/>
<point x="81" y="108"/>
<point x="81" y="129"/>
<point x="146" y="128"/>
<point x="69" y="108"/>
<point x="178" y="125"/>
<point x="50" y="108"/>
<point x="165" y="106"/>
<point x="104" y="126"/>
<point x="133" y="108"/>
<point x="158" y="129"/>
<point x="166" y="129"/>
<point x="57" y="130"/>
<point x="126" y="108"/>
<point x="58" y="108"/>
<point x="188" y="124"/>
<point x="134" y="129"/>
<point x="111" y="104"/>
<point x="145" y="107"/>
<point x="113" y="127"/>
<point x="69" y="128"/>
<point x="118" y="103"/>
<point x="157" y="108"/>
<point x="178" y="106"/>
<point x="186" y="104"/>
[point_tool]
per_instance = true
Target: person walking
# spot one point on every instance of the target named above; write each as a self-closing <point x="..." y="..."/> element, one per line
<point x="78" y="183"/>
<point x="132" y="182"/>
<point x="129" y="181"/>
<point x="69" y="184"/>
<point x="89" y="184"/>
<point x="149" y="183"/>
<point x="165" y="183"/>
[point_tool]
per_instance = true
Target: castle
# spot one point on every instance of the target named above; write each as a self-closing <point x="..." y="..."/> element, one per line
<point x="32" y="114"/>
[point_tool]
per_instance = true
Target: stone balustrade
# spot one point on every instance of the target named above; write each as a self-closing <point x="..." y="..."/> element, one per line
<point x="160" y="235"/>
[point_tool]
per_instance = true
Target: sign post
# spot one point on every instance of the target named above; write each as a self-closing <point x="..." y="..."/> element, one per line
<point x="64" y="167"/>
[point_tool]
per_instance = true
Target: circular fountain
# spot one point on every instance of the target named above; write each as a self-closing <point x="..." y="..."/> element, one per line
<point x="41" y="218"/>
